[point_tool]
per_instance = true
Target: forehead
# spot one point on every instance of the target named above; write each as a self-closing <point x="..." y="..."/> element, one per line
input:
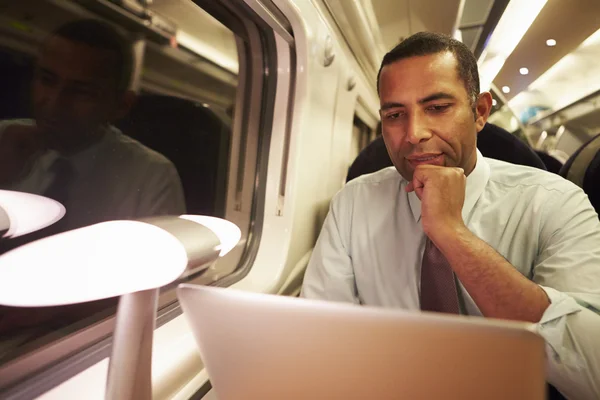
<point x="77" y="61"/>
<point x="421" y="76"/>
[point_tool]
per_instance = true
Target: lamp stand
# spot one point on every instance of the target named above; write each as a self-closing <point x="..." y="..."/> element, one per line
<point x="130" y="365"/>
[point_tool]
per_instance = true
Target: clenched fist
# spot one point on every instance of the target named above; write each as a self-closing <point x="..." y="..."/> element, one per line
<point x="18" y="146"/>
<point x="442" y="194"/>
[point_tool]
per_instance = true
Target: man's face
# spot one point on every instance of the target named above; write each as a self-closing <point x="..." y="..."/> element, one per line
<point x="426" y="114"/>
<point x="74" y="91"/>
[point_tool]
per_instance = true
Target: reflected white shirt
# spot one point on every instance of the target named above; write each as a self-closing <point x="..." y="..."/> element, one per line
<point x="115" y="178"/>
<point x="372" y="242"/>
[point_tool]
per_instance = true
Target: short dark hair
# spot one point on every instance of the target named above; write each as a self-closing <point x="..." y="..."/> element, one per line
<point x="426" y="43"/>
<point x="102" y="35"/>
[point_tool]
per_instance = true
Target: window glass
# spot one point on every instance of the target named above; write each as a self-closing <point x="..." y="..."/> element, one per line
<point x="114" y="120"/>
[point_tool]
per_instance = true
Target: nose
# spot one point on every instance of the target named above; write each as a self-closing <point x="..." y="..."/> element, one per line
<point x="53" y="99"/>
<point x="416" y="129"/>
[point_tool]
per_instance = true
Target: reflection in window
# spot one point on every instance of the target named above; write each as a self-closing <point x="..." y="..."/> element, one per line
<point x="75" y="128"/>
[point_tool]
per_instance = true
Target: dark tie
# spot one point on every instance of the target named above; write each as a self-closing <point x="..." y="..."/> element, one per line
<point x="438" y="286"/>
<point x="59" y="190"/>
<point x="63" y="176"/>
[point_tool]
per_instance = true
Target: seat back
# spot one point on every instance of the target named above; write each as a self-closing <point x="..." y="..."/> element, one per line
<point x="552" y="164"/>
<point x="193" y="138"/>
<point x="492" y="141"/>
<point x="583" y="169"/>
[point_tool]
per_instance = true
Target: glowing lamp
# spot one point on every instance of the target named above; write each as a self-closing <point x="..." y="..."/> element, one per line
<point x="23" y="213"/>
<point x="130" y="259"/>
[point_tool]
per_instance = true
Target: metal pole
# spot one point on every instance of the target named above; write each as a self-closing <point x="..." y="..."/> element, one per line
<point x="130" y="366"/>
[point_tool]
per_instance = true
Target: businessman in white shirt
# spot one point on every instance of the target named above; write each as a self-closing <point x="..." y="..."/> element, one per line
<point x="448" y="230"/>
<point x="71" y="151"/>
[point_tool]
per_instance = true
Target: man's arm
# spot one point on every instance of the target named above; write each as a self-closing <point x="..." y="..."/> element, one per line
<point x="496" y="286"/>
<point x="329" y="275"/>
<point x="498" y="289"/>
<point x="567" y="268"/>
<point x="19" y="144"/>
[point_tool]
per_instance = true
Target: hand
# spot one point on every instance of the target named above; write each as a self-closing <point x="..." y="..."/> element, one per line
<point x="442" y="194"/>
<point x="18" y="145"/>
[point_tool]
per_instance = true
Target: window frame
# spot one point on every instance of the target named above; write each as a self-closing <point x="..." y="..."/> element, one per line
<point x="40" y="370"/>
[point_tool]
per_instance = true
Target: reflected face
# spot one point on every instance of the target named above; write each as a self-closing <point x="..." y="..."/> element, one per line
<point x="426" y="114"/>
<point x="74" y="90"/>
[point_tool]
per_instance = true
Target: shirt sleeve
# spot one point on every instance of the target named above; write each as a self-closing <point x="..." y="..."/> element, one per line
<point x="329" y="275"/>
<point x="568" y="270"/>
<point x="163" y="193"/>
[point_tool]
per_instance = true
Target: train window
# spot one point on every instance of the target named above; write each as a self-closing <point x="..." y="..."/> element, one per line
<point x="123" y="112"/>
<point x="362" y="135"/>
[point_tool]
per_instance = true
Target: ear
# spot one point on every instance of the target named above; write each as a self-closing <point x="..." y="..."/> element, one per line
<point x="126" y="103"/>
<point x="483" y="106"/>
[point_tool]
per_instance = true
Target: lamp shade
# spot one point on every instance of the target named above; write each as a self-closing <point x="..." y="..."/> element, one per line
<point x="228" y="233"/>
<point x="23" y="213"/>
<point x="105" y="260"/>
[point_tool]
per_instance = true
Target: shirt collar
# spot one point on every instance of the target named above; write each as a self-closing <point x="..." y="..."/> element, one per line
<point x="476" y="182"/>
<point x="84" y="160"/>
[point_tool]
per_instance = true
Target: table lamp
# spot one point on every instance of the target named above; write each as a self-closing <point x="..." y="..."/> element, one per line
<point x="130" y="259"/>
<point x="23" y="213"/>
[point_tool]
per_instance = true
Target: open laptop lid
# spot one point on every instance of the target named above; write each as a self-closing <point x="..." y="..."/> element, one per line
<point x="258" y="346"/>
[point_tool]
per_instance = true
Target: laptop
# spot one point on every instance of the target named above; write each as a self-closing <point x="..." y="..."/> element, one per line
<point x="258" y="346"/>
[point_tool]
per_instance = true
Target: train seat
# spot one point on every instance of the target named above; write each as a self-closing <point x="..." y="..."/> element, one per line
<point x="552" y="164"/>
<point x="492" y="141"/>
<point x="193" y="138"/>
<point x="583" y="169"/>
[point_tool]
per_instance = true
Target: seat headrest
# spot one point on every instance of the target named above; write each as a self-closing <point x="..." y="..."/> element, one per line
<point x="583" y="169"/>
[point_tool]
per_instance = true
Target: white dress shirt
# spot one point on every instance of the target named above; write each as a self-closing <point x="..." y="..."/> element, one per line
<point x="115" y="178"/>
<point x="372" y="242"/>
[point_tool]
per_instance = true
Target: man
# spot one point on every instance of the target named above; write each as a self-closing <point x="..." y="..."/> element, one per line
<point x="450" y="231"/>
<point x="71" y="152"/>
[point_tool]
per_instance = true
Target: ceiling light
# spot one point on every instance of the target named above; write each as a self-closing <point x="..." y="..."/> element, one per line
<point x="494" y="102"/>
<point x="571" y="78"/>
<point x="524" y="71"/>
<point x="505" y="89"/>
<point x="515" y="21"/>
<point x="550" y="42"/>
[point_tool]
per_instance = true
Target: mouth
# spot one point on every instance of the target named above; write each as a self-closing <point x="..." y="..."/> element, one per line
<point x="426" y="159"/>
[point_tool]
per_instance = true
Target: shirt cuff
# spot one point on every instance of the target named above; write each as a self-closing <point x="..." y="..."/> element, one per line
<point x="553" y="325"/>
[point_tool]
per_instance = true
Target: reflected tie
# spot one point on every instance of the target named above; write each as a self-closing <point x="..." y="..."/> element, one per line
<point x="63" y="175"/>
<point x="59" y="189"/>
<point x="438" y="286"/>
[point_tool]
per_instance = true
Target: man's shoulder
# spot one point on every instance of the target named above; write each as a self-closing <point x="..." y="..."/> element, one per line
<point x="384" y="176"/>
<point x="370" y="186"/>
<point x="521" y="176"/>
<point x="136" y="152"/>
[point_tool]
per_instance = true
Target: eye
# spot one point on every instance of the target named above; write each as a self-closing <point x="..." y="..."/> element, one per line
<point x="394" y="115"/>
<point x="438" y="108"/>
<point x="84" y="92"/>
<point x="46" y="79"/>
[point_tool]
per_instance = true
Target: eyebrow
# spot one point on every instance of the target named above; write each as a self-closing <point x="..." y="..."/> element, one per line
<point x="46" y="71"/>
<point x="431" y="97"/>
<point x="81" y="84"/>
